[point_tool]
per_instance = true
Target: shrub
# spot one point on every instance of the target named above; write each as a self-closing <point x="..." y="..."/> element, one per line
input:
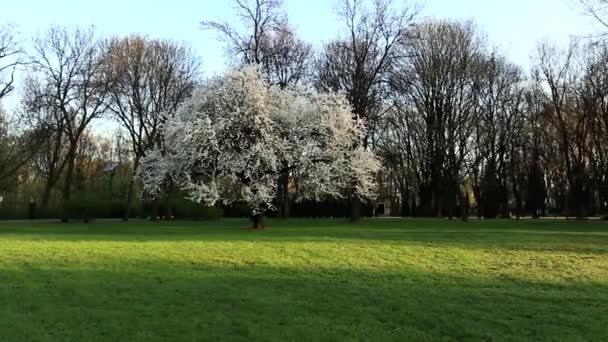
<point x="186" y="209"/>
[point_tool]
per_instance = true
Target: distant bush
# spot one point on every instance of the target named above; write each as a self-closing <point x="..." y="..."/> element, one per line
<point x="186" y="209"/>
<point x="13" y="213"/>
<point x="329" y="207"/>
<point x="236" y="210"/>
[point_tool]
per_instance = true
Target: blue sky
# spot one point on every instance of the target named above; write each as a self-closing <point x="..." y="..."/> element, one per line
<point x="514" y="25"/>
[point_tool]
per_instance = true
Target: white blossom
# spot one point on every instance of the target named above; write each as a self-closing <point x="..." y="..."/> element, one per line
<point x="235" y="136"/>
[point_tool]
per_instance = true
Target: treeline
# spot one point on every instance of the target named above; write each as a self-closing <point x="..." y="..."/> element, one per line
<point x="467" y="126"/>
<point x="460" y="129"/>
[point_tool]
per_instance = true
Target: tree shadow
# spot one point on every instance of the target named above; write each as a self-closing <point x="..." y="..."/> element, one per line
<point x="197" y="302"/>
<point x="491" y="235"/>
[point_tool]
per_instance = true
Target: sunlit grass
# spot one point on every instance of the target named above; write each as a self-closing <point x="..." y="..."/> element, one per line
<point x="304" y="280"/>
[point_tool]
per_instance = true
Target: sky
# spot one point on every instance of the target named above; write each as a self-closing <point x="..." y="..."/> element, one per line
<point x="515" y="26"/>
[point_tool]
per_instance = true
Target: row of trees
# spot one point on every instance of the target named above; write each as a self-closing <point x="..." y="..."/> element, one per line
<point x="465" y="121"/>
<point x="453" y="121"/>
<point x="74" y="78"/>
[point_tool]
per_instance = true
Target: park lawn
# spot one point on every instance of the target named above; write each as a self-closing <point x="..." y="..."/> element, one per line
<point x="393" y="280"/>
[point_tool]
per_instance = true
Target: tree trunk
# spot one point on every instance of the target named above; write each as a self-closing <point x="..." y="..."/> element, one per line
<point x="477" y="194"/>
<point x="405" y="203"/>
<point x="464" y="206"/>
<point x="155" y="210"/>
<point x="67" y="186"/>
<point x="258" y="222"/>
<point x="580" y="212"/>
<point x="438" y="206"/>
<point x="168" y="209"/>
<point x="355" y="206"/>
<point x="283" y="195"/>
<point x="518" y="206"/>
<point x="130" y="186"/>
<point x="46" y="196"/>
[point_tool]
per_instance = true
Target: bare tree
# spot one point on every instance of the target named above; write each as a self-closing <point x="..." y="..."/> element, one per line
<point x="50" y="159"/>
<point x="266" y="40"/>
<point x="149" y="80"/>
<point x="290" y="58"/>
<point x="597" y="9"/>
<point x="17" y="145"/>
<point x="9" y="60"/>
<point x="358" y="63"/>
<point x="11" y="56"/>
<point x="261" y="19"/>
<point x="594" y="101"/>
<point x="438" y="92"/>
<point x="69" y="64"/>
<point x="498" y="134"/>
<point x="557" y="71"/>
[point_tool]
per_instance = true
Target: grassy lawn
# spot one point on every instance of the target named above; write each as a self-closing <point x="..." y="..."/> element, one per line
<point x="304" y="280"/>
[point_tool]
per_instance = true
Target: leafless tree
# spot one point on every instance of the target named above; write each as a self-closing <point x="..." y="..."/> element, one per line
<point x="17" y="145"/>
<point x="261" y="19"/>
<point x="594" y="101"/>
<point x="358" y="63"/>
<point x="51" y="157"/>
<point x="11" y="56"/>
<point x="559" y="72"/>
<point x="498" y="133"/>
<point x="266" y="40"/>
<point x="69" y="63"/>
<point x="438" y="89"/>
<point x="149" y="79"/>
<point x="597" y="9"/>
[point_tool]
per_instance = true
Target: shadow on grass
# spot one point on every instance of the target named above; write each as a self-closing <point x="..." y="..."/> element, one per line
<point x="501" y="234"/>
<point x="202" y="302"/>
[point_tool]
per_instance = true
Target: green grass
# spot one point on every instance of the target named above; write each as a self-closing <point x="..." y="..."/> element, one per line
<point x="304" y="280"/>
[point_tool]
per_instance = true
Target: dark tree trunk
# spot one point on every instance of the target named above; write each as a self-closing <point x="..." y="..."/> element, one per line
<point x="67" y="186"/>
<point x="130" y="190"/>
<point x="518" y="204"/>
<point x="478" y="200"/>
<point x="426" y="205"/>
<point x="455" y="201"/>
<point x="85" y="216"/>
<point x="438" y="204"/>
<point x="355" y="214"/>
<point x="53" y="176"/>
<point x="168" y="209"/>
<point x="283" y="195"/>
<point x="46" y="196"/>
<point x="405" y="203"/>
<point x="464" y="206"/>
<point x="155" y="210"/>
<point x="258" y="222"/>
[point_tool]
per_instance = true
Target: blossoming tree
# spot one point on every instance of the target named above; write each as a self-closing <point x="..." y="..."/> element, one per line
<point x="237" y="134"/>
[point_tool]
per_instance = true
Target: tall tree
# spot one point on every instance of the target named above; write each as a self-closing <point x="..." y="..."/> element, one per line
<point x="438" y="91"/>
<point x="11" y="56"/>
<point x="225" y="144"/>
<point x="17" y="145"/>
<point x="70" y="67"/>
<point x="498" y="131"/>
<point x="148" y="80"/>
<point x="270" y="43"/>
<point x="557" y="71"/>
<point x="593" y="95"/>
<point x="50" y="159"/>
<point x="358" y="63"/>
